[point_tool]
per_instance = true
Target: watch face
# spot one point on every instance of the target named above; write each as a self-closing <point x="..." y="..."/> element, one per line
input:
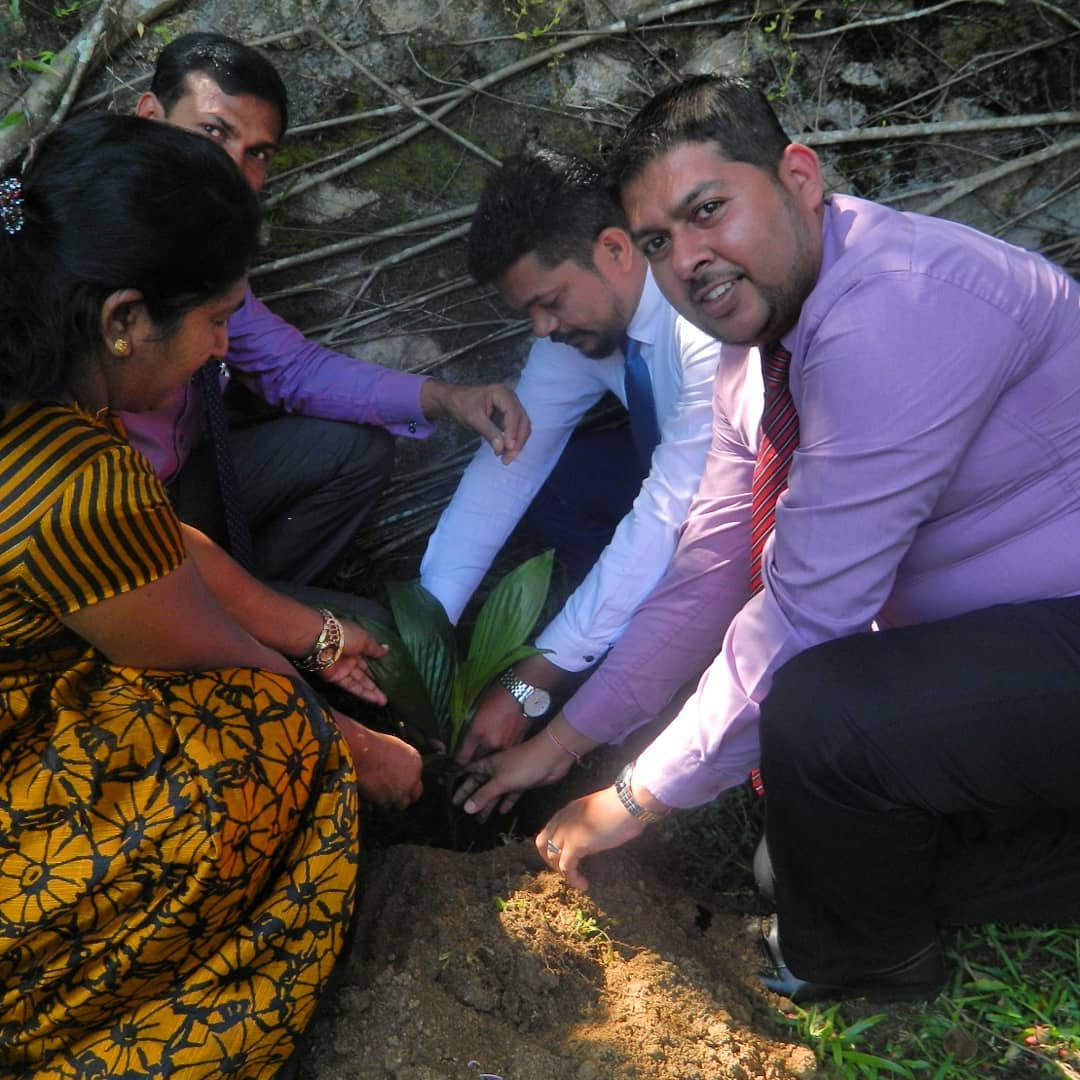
<point x="536" y="704"/>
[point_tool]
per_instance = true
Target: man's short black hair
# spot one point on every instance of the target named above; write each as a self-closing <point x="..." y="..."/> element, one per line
<point x="237" y="68"/>
<point x="543" y="202"/>
<point x="725" y="111"/>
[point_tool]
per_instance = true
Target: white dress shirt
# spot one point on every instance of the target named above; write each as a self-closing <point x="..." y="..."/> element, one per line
<point x="557" y="387"/>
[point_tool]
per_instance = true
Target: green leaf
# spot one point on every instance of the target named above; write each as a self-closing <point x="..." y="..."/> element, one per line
<point x="396" y="676"/>
<point x="853" y="1031"/>
<point x="40" y="66"/>
<point x="875" y="1064"/>
<point x="498" y="640"/>
<point x="511" y="611"/>
<point x="12" y="119"/>
<point x="430" y="639"/>
<point x="477" y="673"/>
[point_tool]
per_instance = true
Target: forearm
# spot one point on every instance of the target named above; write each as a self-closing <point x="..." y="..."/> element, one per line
<point x="276" y="621"/>
<point x="539" y="671"/>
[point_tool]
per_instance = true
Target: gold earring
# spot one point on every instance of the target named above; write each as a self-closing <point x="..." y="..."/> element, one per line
<point x="121" y="346"/>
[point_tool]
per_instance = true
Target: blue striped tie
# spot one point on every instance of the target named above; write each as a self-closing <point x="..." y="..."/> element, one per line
<point x="640" y="403"/>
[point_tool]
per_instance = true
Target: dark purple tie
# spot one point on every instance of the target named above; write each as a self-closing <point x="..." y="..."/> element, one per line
<point x="236" y="525"/>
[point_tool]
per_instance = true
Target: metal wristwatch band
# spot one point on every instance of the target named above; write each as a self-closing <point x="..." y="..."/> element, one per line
<point x="518" y="689"/>
<point x="523" y="693"/>
<point x="626" y="797"/>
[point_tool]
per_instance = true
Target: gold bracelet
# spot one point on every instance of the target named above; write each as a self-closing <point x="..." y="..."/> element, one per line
<point x="561" y="745"/>
<point x="328" y="645"/>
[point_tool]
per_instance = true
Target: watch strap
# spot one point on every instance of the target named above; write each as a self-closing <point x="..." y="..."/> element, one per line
<point x="517" y="688"/>
<point x="626" y="797"/>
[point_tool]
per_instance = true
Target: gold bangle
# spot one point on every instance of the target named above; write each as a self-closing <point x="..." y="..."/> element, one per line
<point x="561" y="745"/>
<point x="328" y="645"/>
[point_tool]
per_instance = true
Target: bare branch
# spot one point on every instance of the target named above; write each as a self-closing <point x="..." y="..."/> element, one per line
<point x="401" y="99"/>
<point x="47" y="99"/>
<point x="972" y="183"/>
<point x="344" y="246"/>
<point x="942" y="127"/>
<point x="885" y="20"/>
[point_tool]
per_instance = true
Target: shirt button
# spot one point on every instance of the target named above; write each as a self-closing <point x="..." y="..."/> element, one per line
<point x="412" y="427"/>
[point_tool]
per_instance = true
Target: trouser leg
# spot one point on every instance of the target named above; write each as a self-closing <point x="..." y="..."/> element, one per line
<point x="306" y="486"/>
<point x="590" y="490"/>
<point x="907" y="769"/>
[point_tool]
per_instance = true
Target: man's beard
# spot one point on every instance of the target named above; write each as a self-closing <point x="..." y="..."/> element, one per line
<point x="595" y="344"/>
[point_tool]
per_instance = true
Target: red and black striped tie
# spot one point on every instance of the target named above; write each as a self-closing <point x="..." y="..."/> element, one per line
<point x="779" y="438"/>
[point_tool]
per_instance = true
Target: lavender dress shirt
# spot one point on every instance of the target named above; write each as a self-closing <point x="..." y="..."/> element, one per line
<point x="936" y="372"/>
<point x="279" y="364"/>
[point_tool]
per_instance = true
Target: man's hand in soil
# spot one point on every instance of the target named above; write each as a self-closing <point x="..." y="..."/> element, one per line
<point x="387" y="768"/>
<point x="499" y="723"/>
<point x="593" y="823"/>
<point x="491" y="410"/>
<point x="543" y="759"/>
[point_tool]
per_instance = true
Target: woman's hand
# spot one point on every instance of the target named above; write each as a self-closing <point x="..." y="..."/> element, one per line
<point x="387" y="768"/>
<point x="538" y="761"/>
<point x="350" y="670"/>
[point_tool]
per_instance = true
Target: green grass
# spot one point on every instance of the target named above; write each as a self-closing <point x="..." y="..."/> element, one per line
<point x="1011" y="1009"/>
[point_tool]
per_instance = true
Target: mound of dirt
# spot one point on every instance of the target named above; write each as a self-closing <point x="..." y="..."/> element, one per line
<point x="473" y="965"/>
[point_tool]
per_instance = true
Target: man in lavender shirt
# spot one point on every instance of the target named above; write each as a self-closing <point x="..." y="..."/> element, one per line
<point x="919" y="776"/>
<point x="310" y="466"/>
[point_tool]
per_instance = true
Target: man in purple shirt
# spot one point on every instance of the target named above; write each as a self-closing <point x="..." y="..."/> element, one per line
<point x="310" y="467"/>
<point x="918" y="776"/>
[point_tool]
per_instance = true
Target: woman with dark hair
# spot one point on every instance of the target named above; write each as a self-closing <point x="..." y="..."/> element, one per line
<point x="178" y="833"/>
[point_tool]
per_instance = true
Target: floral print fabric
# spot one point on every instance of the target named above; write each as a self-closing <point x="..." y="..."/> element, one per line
<point x="177" y="852"/>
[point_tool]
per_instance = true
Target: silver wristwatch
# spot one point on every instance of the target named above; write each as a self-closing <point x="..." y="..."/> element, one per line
<point x="534" y="702"/>
<point x="626" y="797"/>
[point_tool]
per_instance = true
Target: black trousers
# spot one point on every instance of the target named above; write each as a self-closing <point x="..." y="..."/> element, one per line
<point x="307" y="485"/>
<point x="923" y="777"/>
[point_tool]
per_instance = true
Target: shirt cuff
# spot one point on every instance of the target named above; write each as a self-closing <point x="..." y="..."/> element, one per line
<point x="568" y="651"/>
<point x="399" y="404"/>
<point x="679" y="777"/>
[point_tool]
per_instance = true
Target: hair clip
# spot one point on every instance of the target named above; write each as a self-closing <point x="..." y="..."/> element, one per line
<point x="11" y="205"/>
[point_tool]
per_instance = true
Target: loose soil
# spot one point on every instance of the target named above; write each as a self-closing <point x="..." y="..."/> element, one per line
<point x="471" y="959"/>
<point x="471" y="965"/>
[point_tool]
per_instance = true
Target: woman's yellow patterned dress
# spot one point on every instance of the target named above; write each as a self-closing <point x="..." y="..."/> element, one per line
<point x="177" y="852"/>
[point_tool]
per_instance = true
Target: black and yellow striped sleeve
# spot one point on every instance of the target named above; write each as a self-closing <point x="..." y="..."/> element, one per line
<point x="107" y="528"/>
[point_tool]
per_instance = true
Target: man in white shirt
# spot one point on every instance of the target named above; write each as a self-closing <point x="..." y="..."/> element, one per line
<point x="549" y="235"/>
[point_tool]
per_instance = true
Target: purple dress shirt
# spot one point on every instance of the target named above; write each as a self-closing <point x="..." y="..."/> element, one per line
<point x="279" y="364"/>
<point x="936" y="372"/>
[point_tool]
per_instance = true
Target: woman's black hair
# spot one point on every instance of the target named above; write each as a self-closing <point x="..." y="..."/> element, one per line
<point x="112" y="203"/>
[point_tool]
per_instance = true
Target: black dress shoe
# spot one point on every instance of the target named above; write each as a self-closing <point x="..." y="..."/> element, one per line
<point x="917" y="979"/>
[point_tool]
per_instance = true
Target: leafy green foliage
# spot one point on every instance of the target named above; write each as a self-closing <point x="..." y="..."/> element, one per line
<point x="42" y="65"/>
<point x="433" y="693"/>
<point x="1013" y="1008"/>
<point x="62" y="11"/>
<point x="524" y="10"/>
